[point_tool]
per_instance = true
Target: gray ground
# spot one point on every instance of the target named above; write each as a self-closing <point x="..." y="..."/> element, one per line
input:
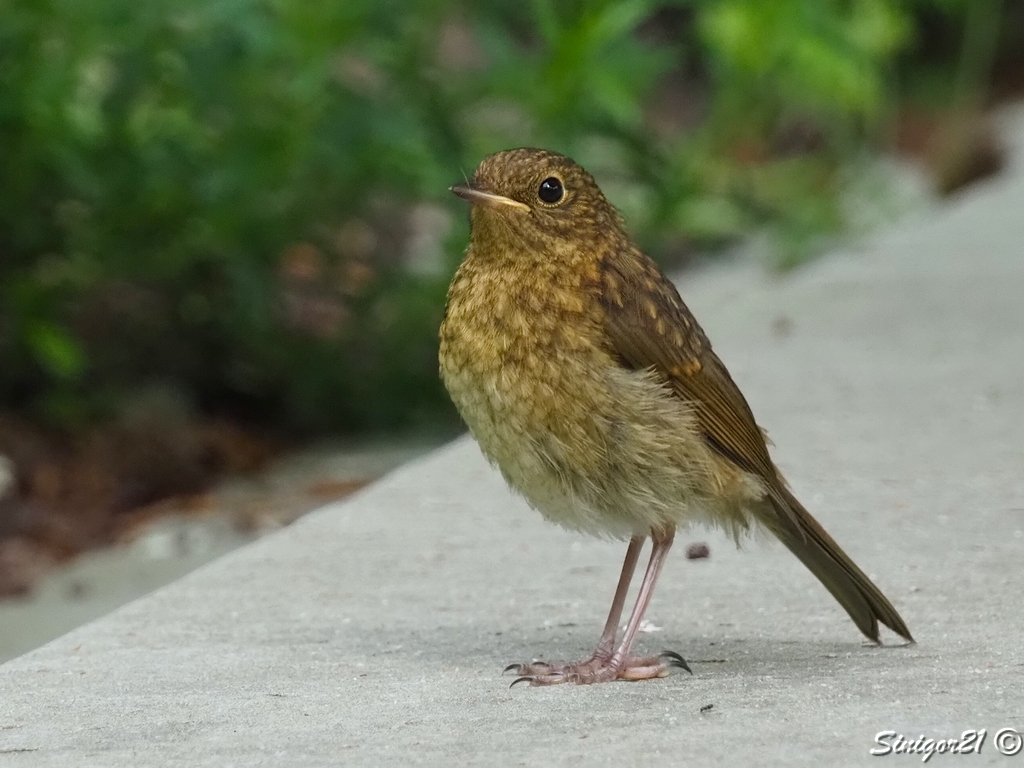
<point x="374" y="631"/>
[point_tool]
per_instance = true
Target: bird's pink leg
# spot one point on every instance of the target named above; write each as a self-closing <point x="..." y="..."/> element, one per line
<point x="611" y="626"/>
<point x="652" y="666"/>
<point x="604" y="665"/>
<point x="606" y="645"/>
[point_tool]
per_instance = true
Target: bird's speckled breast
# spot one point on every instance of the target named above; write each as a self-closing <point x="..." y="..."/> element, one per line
<point x="519" y="358"/>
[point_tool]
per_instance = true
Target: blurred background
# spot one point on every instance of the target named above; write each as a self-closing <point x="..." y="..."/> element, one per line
<point x="226" y="235"/>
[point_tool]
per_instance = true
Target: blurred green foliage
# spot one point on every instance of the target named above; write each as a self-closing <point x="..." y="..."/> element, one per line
<point x="245" y="200"/>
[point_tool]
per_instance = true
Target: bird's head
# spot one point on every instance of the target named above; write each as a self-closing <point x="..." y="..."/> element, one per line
<point x="538" y="198"/>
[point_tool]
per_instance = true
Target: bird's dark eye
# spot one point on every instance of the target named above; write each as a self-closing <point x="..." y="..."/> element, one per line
<point x="551" y="190"/>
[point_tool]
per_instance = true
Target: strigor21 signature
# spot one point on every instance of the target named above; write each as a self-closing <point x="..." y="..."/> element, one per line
<point x="1007" y="741"/>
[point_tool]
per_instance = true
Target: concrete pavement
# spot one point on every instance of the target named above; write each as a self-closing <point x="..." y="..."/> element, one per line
<point x="374" y="631"/>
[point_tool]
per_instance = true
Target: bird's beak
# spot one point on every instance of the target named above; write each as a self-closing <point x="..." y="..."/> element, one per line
<point x="479" y="197"/>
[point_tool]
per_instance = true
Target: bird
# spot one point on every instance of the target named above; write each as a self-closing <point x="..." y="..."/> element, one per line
<point x="589" y="384"/>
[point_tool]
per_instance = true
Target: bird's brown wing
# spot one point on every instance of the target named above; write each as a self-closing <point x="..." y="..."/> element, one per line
<point x="649" y="326"/>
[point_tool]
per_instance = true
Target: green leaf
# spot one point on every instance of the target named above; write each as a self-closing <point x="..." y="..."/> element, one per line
<point x="56" y="351"/>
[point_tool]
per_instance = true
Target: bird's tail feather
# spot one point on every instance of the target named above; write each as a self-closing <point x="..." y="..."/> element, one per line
<point x="806" y="539"/>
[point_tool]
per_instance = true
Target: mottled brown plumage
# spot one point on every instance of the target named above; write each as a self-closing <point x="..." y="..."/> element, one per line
<point x="589" y="384"/>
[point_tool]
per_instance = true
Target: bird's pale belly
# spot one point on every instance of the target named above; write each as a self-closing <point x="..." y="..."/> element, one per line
<point x="619" y="456"/>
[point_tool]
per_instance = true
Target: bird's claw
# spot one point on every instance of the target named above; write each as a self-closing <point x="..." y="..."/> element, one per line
<point x="531" y="668"/>
<point x="675" y="660"/>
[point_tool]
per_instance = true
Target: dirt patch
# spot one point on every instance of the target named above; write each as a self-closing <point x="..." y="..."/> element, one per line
<point x="63" y="494"/>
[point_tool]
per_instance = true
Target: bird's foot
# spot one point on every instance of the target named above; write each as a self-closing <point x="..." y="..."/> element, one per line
<point x="598" y="670"/>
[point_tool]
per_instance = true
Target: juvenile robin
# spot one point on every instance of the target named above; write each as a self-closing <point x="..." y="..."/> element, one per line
<point x="585" y="379"/>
